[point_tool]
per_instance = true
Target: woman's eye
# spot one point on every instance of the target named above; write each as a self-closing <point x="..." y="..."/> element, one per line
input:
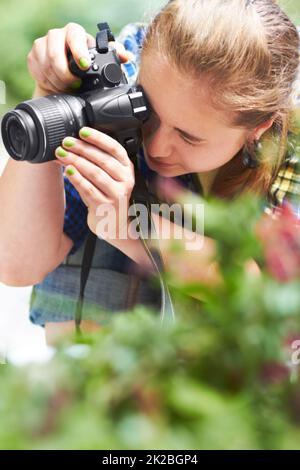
<point x="188" y="142"/>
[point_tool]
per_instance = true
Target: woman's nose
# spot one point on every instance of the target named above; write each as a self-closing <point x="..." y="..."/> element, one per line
<point x="156" y="139"/>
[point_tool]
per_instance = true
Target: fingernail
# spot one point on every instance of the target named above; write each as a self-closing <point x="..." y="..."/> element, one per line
<point x="85" y="132"/>
<point x="61" y="152"/>
<point x="68" y="142"/>
<point x="77" y="84"/>
<point x="70" y="171"/>
<point x="84" y="62"/>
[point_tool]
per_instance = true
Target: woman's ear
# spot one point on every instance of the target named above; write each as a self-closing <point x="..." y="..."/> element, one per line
<point x="262" y="128"/>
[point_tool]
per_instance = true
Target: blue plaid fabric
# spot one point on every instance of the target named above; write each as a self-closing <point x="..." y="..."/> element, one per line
<point x="285" y="187"/>
<point x="75" y="223"/>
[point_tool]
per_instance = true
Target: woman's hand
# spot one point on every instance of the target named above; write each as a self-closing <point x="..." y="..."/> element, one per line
<point x="48" y="64"/>
<point x="101" y="171"/>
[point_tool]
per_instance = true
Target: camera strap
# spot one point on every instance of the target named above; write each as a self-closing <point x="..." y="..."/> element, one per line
<point x="140" y="195"/>
<point x="87" y="259"/>
<point x="103" y="37"/>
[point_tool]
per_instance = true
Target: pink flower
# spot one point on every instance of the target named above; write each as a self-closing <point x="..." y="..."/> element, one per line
<point x="273" y="373"/>
<point x="279" y="234"/>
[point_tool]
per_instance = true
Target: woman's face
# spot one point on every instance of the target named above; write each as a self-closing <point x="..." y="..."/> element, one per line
<point x="185" y="134"/>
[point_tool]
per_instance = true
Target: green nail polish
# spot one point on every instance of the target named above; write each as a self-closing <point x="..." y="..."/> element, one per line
<point x="77" y="84"/>
<point x="84" y="132"/>
<point x="84" y="62"/>
<point x="61" y="152"/>
<point x="69" y="142"/>
<point x="70" y="171"/>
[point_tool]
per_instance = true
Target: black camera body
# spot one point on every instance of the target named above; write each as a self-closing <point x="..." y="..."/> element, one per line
<point x="105" y="101"/>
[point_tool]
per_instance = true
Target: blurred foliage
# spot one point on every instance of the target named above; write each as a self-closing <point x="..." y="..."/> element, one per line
<point x="220" y="377"/>
<point x="24" y="21"/>
<point x="292" y="9"/>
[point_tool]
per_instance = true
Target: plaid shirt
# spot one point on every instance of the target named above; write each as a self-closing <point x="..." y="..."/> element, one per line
<point x="285" y="187"/>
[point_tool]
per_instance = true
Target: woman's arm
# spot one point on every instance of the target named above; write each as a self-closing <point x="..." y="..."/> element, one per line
<point x="32" y="214"/>
<point x="186" y="265"/>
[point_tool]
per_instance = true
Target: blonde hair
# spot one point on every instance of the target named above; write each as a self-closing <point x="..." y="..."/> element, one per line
<point x="247" y="53"/>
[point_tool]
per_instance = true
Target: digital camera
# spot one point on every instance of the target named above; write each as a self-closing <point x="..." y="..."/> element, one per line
<point x="105" y="101"/>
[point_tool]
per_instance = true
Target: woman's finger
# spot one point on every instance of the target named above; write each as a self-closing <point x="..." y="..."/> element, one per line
<point x="105" y="143"/>
<point x="123" y="54"/>
<point x="95" y="175"/>
<point x="37" y="73"/>
<point x="42" y="67"/>
<point x="91" y="41"/>
<point x="90" y="195"/>
<point x="77" y="42"/>
<point x="56" y="53"/>
<point x="108" y="163"/>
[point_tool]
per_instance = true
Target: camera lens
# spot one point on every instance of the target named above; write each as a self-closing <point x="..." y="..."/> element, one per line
<point x="18" y="135"/>
<point x="34" y="129"/>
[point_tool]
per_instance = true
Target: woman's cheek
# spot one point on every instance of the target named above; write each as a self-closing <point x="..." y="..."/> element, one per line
<point x="191" y="159"/>
<point x="150" y="127"/>
<point x="200" y="160"/>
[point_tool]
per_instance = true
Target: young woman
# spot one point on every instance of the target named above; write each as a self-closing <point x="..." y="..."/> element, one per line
<point x="220" y="78"/>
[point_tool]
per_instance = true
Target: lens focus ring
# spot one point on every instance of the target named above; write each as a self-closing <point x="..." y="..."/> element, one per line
<point x="54" y="121"/>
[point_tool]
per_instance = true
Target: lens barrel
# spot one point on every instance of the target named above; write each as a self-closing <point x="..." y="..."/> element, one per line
<point x="34" y="129"/>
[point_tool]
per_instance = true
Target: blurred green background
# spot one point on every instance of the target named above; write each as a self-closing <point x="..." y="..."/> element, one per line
<point x="24" y="21"/>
